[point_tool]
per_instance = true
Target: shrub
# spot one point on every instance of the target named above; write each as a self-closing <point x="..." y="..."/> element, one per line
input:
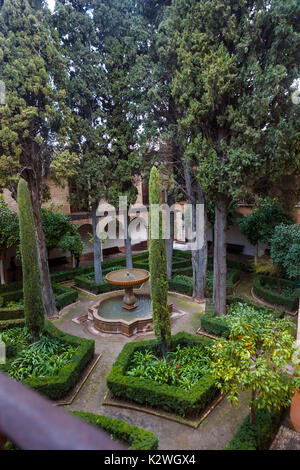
<point x="219" y="326"/>
<point x="270" y="294"/>
<point x="138" y="438"/>
<point x="259" y="435"/>
<point x="167" y="397"/>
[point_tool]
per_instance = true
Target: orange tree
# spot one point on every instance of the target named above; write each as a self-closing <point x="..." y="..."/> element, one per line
<point x="255" y="358"/>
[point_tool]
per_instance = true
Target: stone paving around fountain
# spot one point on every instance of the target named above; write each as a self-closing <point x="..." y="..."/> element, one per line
<point x="213" y="433"/>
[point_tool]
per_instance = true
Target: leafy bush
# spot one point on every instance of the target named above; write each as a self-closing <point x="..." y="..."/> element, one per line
<point x="167" y="397"/>
<point x="259" y="435"/>
<point x="182" y="368"/>
<point x="285" y="249"/>
<point x="265" y="287"/>
<point x="138" y="438"/>
<point x="44" y="358"/>
<point x="219" y="325"/>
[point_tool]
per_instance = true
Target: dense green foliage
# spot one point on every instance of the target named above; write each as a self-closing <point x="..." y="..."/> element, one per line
<point x="182" y="368"/>
<point x="150" y="393"/>
<point x="138" y="438"/>
<point x="255" y="358"/>
<point x="158" y="264"/>
<point x="33" y="298"/>
<point x="60" y="232"/>
<point x="44" y="358"/>
<point x="259" y="226"/>
<point x="67" y="374"/>
<point x="219" y="325"/>
<point x="258" y="436"/>
<point x="265" y="287"/>
<point x="9" y="226"/>
<point x="285" y="249"/>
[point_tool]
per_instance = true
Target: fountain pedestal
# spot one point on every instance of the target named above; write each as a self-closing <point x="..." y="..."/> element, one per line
<point x="129" y="299"/>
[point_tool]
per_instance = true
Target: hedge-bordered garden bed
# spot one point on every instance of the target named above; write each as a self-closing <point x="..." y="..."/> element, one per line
<point x="272" y="296"/>
<point x="259" y="436"/>
<point x="147" y="392"/>
<point x="185" y="286"/>
<point x="137" y="438"/>
<point x="63" y="296"/>
<point x="58" y="386"/>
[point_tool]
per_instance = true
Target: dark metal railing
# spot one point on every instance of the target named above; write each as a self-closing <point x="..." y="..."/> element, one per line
<point x="31" y="422"/>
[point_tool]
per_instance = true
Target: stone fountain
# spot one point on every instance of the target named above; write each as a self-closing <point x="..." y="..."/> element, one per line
<point x="129" y="279"/>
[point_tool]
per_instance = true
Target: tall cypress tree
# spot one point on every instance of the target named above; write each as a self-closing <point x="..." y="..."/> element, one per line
<point x="83" y="50"/>
<point x="158" y="265"/>
<point x="32" y="287"/>
<point x="34" y="120"/>
<point x="124" y="34"/>
<point x="237" y="62"/>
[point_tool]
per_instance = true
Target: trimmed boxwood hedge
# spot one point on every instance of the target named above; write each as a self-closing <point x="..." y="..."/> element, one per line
<point x="259" y="436"/>
<point x="58" y="386"/>
<point x="150" y="393"/>
<point x="187" y="288"/>
<point x="137" y="438"/>
<point x="11" y="313"/>
<point x="83" y="282"/>
<point x="8" y="324"/>
<point x="63" y="296"/>
<point x="218" y="325"/>
<point x="213" y="324"/>
<point x="274" y="297"/>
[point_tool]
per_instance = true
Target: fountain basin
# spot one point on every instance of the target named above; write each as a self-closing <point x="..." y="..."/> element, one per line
<point x="129" y="323"/>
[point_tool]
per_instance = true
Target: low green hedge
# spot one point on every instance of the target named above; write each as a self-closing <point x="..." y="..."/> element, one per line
<point x="58" y="386"/>
<point x="272" y="296"/>
<point x="149" y="393"/>
<point x="186" y="288"/>
<point x="87" y="284"/>
<point x="11" y="313"/>
<point x="137" y="438"/>
<point x="8" y="324"/>
<point x="11" y="296"/>
<point x="70" y="274"/>
<point x="181" y="287"/>
<point x="213" y="324"/>
<point x="64" y="296"/>
<point x="259" y="436"/>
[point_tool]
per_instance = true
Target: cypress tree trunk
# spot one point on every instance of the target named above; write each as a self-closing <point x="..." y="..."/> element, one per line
<point x="170" y="240"/>
<point x="158" y="266"/>
<point x="220" y="265"/>
<point x="48" y="295"/>
<point x="97" y="247"/>
<point x="128" y="249"/>
<point x="199" y="256"/>
<point x="2" y="276"/>
<point x="33" y="298"/>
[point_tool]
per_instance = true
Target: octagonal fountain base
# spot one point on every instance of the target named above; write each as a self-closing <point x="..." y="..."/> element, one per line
<point x="120" y="321"/>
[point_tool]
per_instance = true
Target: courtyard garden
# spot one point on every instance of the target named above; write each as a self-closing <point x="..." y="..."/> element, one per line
<point x="150" y="148"/>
